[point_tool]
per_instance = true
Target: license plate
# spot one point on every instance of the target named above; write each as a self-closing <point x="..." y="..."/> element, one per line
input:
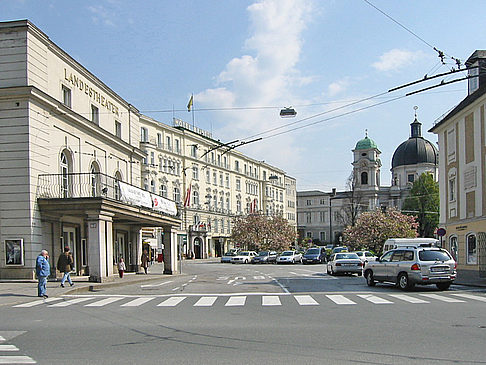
<point x="439" y="269"/>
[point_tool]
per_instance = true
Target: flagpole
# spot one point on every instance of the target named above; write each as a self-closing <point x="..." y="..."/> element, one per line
<point x="193" y="123"/>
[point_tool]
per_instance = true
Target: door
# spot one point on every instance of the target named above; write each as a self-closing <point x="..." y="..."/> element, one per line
<point x="120" y="249"/>
<point x="379" y="267"/>
<point x="197" y="248"/>
<point x="69" y="240"/>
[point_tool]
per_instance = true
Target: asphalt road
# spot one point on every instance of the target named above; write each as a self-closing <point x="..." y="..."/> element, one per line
<point x="244" y="314"/>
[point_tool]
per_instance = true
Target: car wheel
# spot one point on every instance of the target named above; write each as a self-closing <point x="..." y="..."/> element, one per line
<point x="358" y="273"/>
<point x="370" y="280"/>
<point x="443" y="286"/>
<point x="403" y="282"/>
<point x="246" y="261"/>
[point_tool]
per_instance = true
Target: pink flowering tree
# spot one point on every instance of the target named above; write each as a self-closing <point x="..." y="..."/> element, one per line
<point x="260" y="232"/>
<point x="373" y="228"/>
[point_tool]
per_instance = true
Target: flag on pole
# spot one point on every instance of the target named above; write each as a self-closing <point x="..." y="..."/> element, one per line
<point x="187" y="199"/>
<point x="189" y="105"/>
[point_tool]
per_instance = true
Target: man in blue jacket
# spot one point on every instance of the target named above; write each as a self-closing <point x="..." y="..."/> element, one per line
<point x="43" y="270"/>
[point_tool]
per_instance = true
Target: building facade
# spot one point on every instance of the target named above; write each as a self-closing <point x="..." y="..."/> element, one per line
<point x="462" y="171"/>
<point x="83" y="168"/>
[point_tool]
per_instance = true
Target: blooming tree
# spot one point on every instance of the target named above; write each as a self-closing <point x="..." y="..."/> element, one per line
<point x="373" y="228"/>
<point x="260" y="232"/>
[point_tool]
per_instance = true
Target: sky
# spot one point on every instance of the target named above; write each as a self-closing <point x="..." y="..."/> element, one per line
<point x="333" y="61"/>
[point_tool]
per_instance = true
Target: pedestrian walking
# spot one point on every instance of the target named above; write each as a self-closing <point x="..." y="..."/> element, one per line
<point x="65" y="264"/>
<point x="121" y="267"/>
<point x="42" y="270"/>
<point x="145" y="260"/>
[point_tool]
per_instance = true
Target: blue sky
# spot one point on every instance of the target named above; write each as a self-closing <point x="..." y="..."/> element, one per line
<point x="245" y="60"/>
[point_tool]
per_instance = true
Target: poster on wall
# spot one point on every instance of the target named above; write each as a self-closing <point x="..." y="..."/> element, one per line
<point x="14" y="249"/>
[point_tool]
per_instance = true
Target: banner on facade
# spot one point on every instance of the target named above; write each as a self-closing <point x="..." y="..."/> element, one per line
<point x="163" y="205"/>
<point x="135" y="196"/>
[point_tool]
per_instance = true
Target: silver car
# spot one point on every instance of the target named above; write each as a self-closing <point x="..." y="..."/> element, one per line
<point x="410" y="266"/>
<point x="344" y="263"/>
<point x="289" y="257"/>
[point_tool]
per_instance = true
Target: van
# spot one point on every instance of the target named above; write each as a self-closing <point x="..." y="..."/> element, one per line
<point x="392" y="243"/>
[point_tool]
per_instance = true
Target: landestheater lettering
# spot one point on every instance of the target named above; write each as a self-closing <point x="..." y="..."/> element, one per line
<point x="82" y="85"/>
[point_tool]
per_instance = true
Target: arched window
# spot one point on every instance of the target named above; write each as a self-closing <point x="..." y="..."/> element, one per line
<point x="116" y="187"/>
<point x="163" y="191"/>
<point x="238" y="206"/>
<point x="95" y="179"/>
<point x="177" y="195"/>
<point x="221" y="203"/>
<point x="195" y="198"/>
<point x="471" y="249"/>
<point x="227" y="204"/>
<point x="152" y="186"/>
<point x="453" y="247"/>
<point x="65" y="170"/>
<point x="364" y="178"/>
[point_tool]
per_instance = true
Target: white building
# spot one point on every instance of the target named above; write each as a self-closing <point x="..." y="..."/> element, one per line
<point x="83" y="168"/>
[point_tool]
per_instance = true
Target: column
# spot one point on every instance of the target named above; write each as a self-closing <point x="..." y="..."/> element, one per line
<point x="170" y="250"/>
<point x="100" y="246"/>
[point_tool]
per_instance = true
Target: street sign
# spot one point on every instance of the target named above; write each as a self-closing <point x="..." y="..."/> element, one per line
<point x="441" y="232"/>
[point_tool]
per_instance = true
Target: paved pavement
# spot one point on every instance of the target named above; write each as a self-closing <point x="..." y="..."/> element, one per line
<point x="20" y="291"/>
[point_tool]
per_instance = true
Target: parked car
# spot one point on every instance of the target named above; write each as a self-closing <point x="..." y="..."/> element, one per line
<point x="227" y="256"/>
<point x="314" y="255"/>
<point x="243" y="257"/>
<point x="265" y="257"/>
<point x="339" y="249"/>
<point x="289" y="257"/>
<point x="366" y="256"/>
<point x="410" y="266"/>
<point x="344" y="263"/>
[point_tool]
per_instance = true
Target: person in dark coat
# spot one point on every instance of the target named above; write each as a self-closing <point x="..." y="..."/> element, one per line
<point x="145" y="260"/>
<point x="42" y="270"/>
<point x="65" y="264"/>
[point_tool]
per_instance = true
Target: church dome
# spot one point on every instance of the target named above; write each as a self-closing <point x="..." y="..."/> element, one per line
<point x="415" y="150"/>
<point x="366" y="144"/>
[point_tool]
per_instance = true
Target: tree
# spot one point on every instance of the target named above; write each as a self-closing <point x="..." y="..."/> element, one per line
<point x="423" y="203"/>
<point x="260" y="232"/>
<point x="373" y="228"/>
<point x="352" y="204"/>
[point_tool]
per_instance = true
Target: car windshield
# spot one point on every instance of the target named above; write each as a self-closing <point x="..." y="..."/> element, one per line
<point x="263" y="253"/>
<point x="434" y="255"/>
<point x="229" y="254"/>
<point x="312" y="251"/>
<point x="346" y="256"/>
<point x="340" y="249"/>
<point x="287" y="253"/>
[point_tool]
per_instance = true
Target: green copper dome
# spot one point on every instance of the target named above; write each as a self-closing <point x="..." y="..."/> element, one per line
<point x="366" y="144"/>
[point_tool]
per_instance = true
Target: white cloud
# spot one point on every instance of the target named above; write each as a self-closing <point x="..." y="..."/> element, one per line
<point x="338" y="87"/>
<point x="101" y="15"/>
<point x="396" y="59"/>
<point x="264" y="76"/>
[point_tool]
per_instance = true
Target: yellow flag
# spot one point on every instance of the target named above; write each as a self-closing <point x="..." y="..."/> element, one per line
<point x="189" y="105"/>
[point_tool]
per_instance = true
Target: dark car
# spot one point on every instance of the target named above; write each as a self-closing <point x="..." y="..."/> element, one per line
<point x="314" y="255"/>
<point x="265" y="257"/>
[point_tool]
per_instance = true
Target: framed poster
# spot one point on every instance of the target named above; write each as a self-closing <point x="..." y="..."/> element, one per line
<point x="14" y="250"/>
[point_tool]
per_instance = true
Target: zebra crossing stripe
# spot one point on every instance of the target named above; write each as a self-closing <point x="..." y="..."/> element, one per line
<point x="205" y="302"/>
<point x="443" y="298"/>
<point x="470" y="296"/>
<point x="340" y="299"/>
<point x="8" y="348"/>
<point x="171" y="302"/>
<point x="305" y="300"/>
<point x="236" y="301"/>
<point x="271" y="300"/>
<point x="374" y="299"/>
<point x="71" y="302"/>
<point x="137" y="302"/>
<point x="409" y="299"/>
<point x="103" y="302"/>
<point x="2" y="339"/>
<point x="36" y="302"/>
<point x="17" y="360"/>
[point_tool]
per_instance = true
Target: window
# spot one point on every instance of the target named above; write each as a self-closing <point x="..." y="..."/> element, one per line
<point x="66" y="96"/>
<point x="309" y="234"/>
<point x="152" y="158"/>
<point x="471" y="249"/>
<point x="227" y="204"/>
<point x="177" y="146"/>
<point x="95" y="114"/>
<point x="177" y="195"/>
<point x="410" y="178"/>
<point x="159" y="140"/>
<point x="452" y="190"/>
<point x="322" y="236"/>
<point x="116" y="187"/>
<point x="237" y="166"/>
<point x="227" y="181"/>
<point x="163" y="191"/>
<point x="308" y="217"/>
<point x="14" y="250"/>
<point x="152" y="186"/>
<point x="215" y="178"/>
<point x="195" y="198"/>
<point x="322" y="217"/>
<point x="118" y="131"/>
<point x="453" y="247"/>
<point x="308" y="202"/>
<point x="238" y="185"/>
<point x="194" y="150"/>
<point x="95" y="179"/>
<point x="161" y="163"/>
<point x="143" y="134"/>
<point x="169" y="145"/>
<point x="195" y="172"/>
<point x="208" y="176"/>
<point x="238" y="206"/>
<point x="220" y="179"/>
<point x="364" y="178"/>
<point x="473" y="82"/>
<point x="64" y="165"/>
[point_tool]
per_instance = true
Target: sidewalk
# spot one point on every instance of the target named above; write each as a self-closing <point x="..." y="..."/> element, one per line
<point x="14" y="292"/>
<point x="470" y="278"/>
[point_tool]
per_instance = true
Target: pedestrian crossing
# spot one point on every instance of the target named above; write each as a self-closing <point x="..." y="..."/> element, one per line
<point x="241" y="299"/>
<point x="8" y="354"/>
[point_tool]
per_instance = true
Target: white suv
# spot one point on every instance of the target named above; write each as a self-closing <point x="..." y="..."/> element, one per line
<point x="410" y="266"/>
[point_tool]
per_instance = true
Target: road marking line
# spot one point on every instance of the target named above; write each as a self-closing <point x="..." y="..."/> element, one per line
<point x="271" y="300"/>
<point x="280" y="285"/>
<point x="305" y="300"/>
<point x="37" y="302"/>
<point x="153" y="285"/>
<point x="137" y="302"/>
<point x="235" y="301"/>
<point x="103" y="302"/>
<point x="409" y="299"/>
<point x="374" y="299"/>
<point x="2" y="339"/>
<point x="205" y="302"/>
<point x="17" y="360"/>
<point x="8" y="348"/>
<point x="176" y="288"/>
<point x="259" y="277"/>
<point x="70" y="302"/>
<point x="340" y="299"/>
<point x="469" y="296"/>
<point x="443" y="298"/>
<point x="171" y="302"/>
